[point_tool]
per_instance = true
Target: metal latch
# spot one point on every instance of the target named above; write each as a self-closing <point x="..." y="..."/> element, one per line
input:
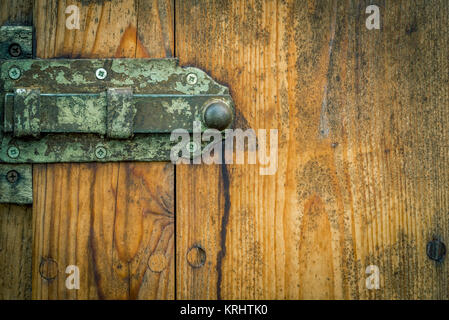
<point x="83" y="110"/>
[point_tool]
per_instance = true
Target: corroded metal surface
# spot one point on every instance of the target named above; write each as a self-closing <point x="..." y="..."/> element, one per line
<point x="26" y="113"/>
<point x="81" y="148"/>
<point x="150" y="76"/>
<point x="59" y="111"/>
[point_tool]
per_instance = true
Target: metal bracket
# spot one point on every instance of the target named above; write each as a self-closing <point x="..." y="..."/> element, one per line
<point x="16" y="42"/>
<point x="83" y="110"/>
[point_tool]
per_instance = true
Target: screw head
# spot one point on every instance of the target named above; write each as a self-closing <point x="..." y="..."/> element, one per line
<point x="217" y="115"/>
<point x="14" y="73"/>
<point x="192" y="78"/>
<point x="100" y="152"/>
<point x="13" y="152"/>
<point x="12" y="176"/>
<point x="15" y="50"/>
<point x="101" y="73"/>
<point x="436" y="250"/>
<point x="192" y="147"/>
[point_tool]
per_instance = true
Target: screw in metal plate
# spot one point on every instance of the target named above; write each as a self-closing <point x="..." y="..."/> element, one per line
<point x="12" y="176"/>
<point x="101" y="73"/>
<point x="192" y="78"/>
<point x="15" y="50"/>
<point x="192" y="147"/>
<point x="13" y="152"/>
<point x="100" y="152"/>
<point x="14" y="73"/>
<point x="436" y="250"/>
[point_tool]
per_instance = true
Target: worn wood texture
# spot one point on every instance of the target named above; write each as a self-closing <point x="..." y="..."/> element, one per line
<point x="114" y="221"/>
<point x="15" y="220"/>
<point x="363" y="154"/>
<point x="16" y="12"/>
<point x="15" y="252"/>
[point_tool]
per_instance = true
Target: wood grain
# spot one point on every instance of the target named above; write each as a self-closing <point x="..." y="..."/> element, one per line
<point x="16" y="12"/>
<point x="15" y="252"/>
<point x="114" y="221"/>
<point x="363" y="156"/>
<point x="110" y="220"/>
<point x="15" y="220"/>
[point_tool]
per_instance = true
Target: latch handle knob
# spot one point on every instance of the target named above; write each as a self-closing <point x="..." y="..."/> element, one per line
<point x="217" y="115"/>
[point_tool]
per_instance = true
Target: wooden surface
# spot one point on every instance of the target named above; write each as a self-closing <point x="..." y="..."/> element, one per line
<point x="16" y="12"/>
<point x="15" y="252"/>
<point x="114" y="221"/>
<point x="15" y="220"/>
<point x="363" y="158"/>
<point x="363" y="155"/>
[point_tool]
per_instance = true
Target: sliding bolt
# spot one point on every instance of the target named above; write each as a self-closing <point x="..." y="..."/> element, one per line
<point x="15" y="50"/>
<point x="100" y="152"/>
<point x="12" y="176"/>
<point x="436" y="250"/>
<point x="217" y="115"/>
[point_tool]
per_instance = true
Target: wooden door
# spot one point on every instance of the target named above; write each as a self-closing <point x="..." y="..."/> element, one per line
<point x="113" y="221"/>
<point x="362" y="175"/>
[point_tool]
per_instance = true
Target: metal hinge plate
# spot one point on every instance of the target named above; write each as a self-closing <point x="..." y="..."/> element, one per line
<point x="83" y="110"/>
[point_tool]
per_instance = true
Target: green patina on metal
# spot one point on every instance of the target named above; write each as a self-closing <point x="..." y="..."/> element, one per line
<point x="26" y="113"/>
<point x="121" y="113"/>
<point x="16" y="183"/>
<point x="85" y="110"/>
<point x="16" y="42"/>
<point x="54" y="148"/>
<point x="74" y="113"/>
<point x="59" y="111"/>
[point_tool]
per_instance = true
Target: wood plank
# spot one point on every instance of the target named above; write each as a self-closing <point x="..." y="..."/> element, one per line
<point x="15" y="220"/>
<point x="363" y="156"/>
<point x="115" y="221"/>
<point x="15" y="252"/>
<point x="16" y="12"/>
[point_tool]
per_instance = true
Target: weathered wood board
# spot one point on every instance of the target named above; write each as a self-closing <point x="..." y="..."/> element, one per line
<point x="114" y="221"/>
<point x="363" y="154"/>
